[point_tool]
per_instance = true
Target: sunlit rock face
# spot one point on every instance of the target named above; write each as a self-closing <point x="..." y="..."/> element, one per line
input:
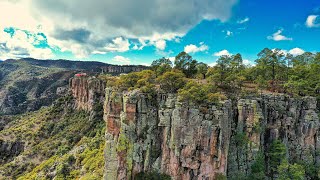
<point x="161" y="134"/>
<point x="87" y="92"/>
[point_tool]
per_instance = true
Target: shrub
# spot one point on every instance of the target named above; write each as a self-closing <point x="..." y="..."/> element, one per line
<point x="171" y="81"/>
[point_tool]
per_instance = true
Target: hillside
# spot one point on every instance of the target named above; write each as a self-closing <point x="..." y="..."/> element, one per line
<point x="28" y="84"/>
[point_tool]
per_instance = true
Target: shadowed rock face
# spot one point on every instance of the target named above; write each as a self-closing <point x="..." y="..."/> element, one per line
<point x="9" y="150"/>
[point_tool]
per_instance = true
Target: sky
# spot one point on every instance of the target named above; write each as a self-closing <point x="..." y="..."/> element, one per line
<point x="140" y="31"/>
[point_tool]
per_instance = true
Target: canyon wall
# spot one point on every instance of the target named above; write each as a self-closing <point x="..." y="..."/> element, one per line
<point x="88" y="92"/>
<point x="161" y="134"/>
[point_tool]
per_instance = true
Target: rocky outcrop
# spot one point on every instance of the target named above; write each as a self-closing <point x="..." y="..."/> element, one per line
<point x="162" y="135"/>
<point x="185" y="142"/>
<point x="294" y="122"/>
<point x="9" y="150"/>
<point x="87" y="91"/>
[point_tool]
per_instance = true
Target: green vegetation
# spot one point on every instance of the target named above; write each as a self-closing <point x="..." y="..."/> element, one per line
<point x="291" y="171"/>
<point x="197" y="83"/>
<point x="258" y="168"/>
<point x="276" y="154"/>
<point x="171" y="81"/>
<point x="59" y="142"/>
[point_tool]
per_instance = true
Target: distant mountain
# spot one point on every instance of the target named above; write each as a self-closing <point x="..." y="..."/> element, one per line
<point x="93" y="66"/>
<point x="28" y="84"/>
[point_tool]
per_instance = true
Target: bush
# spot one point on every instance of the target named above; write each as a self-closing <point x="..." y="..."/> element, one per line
<point x="197" y="93"/>
<point x="171" y="81"/>
<point x="144" y="80"/>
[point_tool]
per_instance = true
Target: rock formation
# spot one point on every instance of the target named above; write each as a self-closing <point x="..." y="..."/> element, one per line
<point x="199" y="143"/>
<point x="161" y="134"/>
<point x="87" y="91"/>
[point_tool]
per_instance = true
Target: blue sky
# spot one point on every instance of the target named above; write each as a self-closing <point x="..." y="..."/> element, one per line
<point x="134" y="34"/>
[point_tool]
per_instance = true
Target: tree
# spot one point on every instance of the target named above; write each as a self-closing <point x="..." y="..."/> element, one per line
<point x="136" y="80"/>
<point x="171" y="81"/>
<point x="161" y="66"/>
<point x="221" y="70"/>
<point x="185" y="63"/>
<point x="271" y="63"/>
<point x="303" y="59"/>
<point x="290" y="171"/>
<point x="258" y="168"/>
<point x="202" y="69"/>
<point x="194" y="92"/>
<point x="275" y="155"/>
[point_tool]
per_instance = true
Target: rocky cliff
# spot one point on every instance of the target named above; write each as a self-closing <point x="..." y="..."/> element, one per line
<point x="160" y="134"/>
<point x="87" y="91"/>
<point x="185" y="142"/>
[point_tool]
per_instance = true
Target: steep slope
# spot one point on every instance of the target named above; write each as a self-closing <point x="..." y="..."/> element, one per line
<point x="57" y="141"/>
<point x="28" y="84"/>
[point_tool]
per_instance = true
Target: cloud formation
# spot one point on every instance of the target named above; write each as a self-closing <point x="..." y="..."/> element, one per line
<point x="191" y="48"/>
<point x="222" y="53"/>
<point x="84" y="27"/>
<point x="244" y="20"/>
<point x="277" y="36"/>
<point x="313" y="21"/>
<point x="21" y="44"/>
<point x="161" y="44"/>
<point x="296" y="51"/>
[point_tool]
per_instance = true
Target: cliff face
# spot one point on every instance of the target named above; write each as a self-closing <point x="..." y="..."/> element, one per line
<point x="87" y="91"/>
<point x="160" y="134"/>
<point x="294" y="122"/>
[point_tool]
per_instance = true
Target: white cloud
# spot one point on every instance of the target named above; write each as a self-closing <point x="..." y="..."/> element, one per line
<point x="212" y="64"/>
<point x="241" y="21"/>
<point x="93" y="24"/>
<point x="313" y="21"/>
<point x="277" y="36"/>
<point x="191" y="48"/>
<point x="222" y="53"/>
<point x="160" y="44"/>
<point x="247" y="62"/>
<point x="229" y="33"/>
<point x="118" y="44"/>
<point x="172" y="59"/>
<point x="145" y="64"/>
<point x="121" y="60"/>
<point x="296" y="51"/>
<point x="22" y="45"/>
